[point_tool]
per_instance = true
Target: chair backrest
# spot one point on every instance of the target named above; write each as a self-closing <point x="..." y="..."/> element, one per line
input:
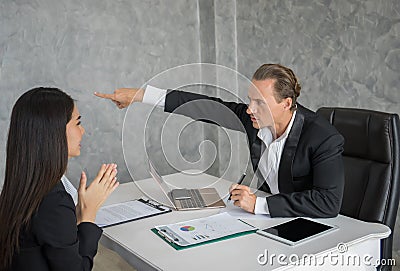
<point x="371" y="161"/>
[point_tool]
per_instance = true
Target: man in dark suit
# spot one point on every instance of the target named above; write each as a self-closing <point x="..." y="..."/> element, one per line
<point x="296" y="154"/>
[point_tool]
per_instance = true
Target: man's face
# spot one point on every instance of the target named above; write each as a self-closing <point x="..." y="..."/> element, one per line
<point x="263" y="109"/>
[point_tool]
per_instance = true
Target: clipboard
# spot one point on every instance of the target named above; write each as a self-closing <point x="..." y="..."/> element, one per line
<point x="119" y="213"/>
<point x="197" y="232"/>
<point x="177" y="247"/>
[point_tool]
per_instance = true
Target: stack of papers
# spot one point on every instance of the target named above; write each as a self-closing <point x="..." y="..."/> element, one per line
<point x="128" y="211"/>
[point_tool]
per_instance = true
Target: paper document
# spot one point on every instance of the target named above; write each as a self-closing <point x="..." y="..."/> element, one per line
<point x="203" y="229"/>
<point x="239" y="213"/>
<point x="128" y="211"/>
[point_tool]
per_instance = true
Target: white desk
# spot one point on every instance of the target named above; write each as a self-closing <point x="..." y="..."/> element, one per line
<point x="145" y="251"/>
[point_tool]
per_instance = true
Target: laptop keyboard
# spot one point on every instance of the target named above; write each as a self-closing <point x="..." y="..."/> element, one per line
<point x="196" y="201"/>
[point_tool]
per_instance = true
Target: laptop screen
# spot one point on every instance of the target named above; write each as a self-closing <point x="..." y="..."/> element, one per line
<point x="153" y="172"/>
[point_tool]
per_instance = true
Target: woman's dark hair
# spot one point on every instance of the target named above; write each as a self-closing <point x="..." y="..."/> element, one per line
<point x="37" y="156"/>
<point x="286" y="83"/>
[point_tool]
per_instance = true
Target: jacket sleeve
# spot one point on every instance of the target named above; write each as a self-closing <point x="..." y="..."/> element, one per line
<point x="230" y="115"/>
<point x="66" y="246"/>
<point x="325" y="197"/>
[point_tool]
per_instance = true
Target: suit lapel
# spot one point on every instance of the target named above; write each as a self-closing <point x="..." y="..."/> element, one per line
<point x="255" y="159"/>
<point x="285" y="176"/>
<point x="255" y="151"/>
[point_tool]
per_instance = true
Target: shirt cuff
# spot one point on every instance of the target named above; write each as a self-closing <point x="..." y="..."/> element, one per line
<point x="154" y="96"/>
<point x="261" y="206"/>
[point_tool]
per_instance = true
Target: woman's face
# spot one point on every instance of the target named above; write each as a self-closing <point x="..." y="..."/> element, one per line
<point x="75" y="132"/>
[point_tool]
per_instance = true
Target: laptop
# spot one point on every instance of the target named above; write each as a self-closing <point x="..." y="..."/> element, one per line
<point x="188" y="199"/>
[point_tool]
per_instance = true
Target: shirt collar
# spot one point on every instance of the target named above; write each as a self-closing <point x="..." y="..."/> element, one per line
<point x="287" y="131"/>
<point x="265" y="133"/>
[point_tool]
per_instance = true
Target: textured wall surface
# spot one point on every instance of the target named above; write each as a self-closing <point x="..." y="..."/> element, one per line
<point x="345" y="53"/>
<point x="87" y="46"/>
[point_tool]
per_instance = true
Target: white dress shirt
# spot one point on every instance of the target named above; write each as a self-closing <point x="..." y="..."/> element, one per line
<point x="154" y="96"/>
<point x="270" y="161"/>
<point x="70" y="188"/>
<point x="271" y="150"/>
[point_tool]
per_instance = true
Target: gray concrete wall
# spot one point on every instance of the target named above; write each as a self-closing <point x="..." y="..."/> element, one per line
<point x="345" y="53"/>
<point x="93" y="45"/>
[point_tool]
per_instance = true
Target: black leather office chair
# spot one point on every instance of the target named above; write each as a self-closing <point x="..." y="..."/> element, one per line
<point x="371" y="160"/>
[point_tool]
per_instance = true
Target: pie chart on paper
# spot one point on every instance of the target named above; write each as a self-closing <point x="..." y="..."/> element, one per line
<point x="187" y="228"/>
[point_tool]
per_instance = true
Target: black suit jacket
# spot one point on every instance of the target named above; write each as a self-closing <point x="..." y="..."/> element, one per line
<point x="54" y="241"/>
<point x="311" y="173"/>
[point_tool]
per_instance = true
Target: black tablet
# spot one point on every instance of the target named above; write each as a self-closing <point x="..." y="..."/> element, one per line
<point x="296" y="230"/>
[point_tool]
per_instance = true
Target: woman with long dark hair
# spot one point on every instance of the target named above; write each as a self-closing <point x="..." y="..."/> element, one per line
<point x="40" y="227"/>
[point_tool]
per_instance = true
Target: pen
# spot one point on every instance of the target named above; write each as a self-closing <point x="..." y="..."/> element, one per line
<point x="239" y="182"/>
